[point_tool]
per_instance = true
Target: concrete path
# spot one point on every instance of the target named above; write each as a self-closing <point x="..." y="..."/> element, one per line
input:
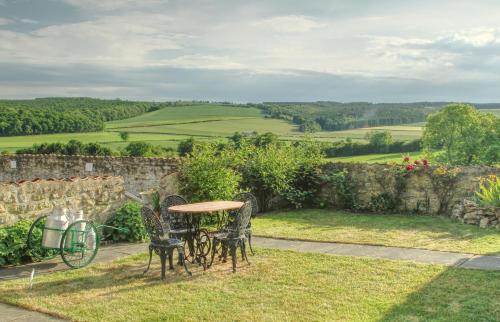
<point x="395" y="253"/>
<point x="10" y="313"/>
<point x="105" y="254"/>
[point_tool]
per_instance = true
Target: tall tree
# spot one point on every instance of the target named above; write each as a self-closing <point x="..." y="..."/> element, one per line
<point x="460" y="135"/>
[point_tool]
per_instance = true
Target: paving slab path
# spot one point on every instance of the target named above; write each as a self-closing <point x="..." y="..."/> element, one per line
<point x="463" y="260"/>
<point x="112" y="252"/>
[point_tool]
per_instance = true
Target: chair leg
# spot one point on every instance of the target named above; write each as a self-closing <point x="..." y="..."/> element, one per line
<point x="180" y="249"/>
<point x="215" y="242"/>
<point x="163" y="259"/>
<point x="179" y="261"/>
<point x="233" y="247"/>
<point x="150" y="258"/>
<point x="223" y="255"/>
<point x="250" y="241"/>
<point x="171" y="259"/>
<point x="244" y="251"/>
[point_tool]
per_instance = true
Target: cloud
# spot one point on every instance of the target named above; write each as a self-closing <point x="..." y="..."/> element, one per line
<point x="231" y="49"/>
<point x="289" y="24"/>
<point x="121" y="40"/>
<point x="110" y="5"/>
<point x="4" y="21"/>
<point x="161" y="83"/>
<point x="29" y="21"/>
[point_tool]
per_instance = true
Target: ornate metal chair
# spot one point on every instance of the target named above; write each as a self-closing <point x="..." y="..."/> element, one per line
<point x="248" y="197"/>
<point x="233" y="235"/>
<point x="178" y="224"/>
<point x="160" y="243"/>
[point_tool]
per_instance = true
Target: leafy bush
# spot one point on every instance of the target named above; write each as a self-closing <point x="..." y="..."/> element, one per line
<point x="144" y="149"/>
<point x="376" y="145"/>
<point x="13" y="247"/>
<point x="345" y="195"/>
<point x="252" y="163"/>
<point x="128" y="216"/>
<point x="489" y="191"/>
<point x="185" y="147"/>
<point x="73" y="147"/>
<point x="205" y="175"/>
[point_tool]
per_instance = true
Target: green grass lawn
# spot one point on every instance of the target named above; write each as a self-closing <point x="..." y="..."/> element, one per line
<point x="427" y="232"/>
<point x="278" y="286"/>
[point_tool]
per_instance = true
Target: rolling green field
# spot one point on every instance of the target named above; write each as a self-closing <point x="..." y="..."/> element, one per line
<point x="170" y="125"/>
<point x="377" y="158"/>
<point x="494" y="111"/>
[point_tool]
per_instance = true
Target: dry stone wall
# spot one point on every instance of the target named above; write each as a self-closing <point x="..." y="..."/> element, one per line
<point x="431" y="190"/>
<point x="470" y="213"/>
<point x="139" y="174"/>
<point x="96" y="196"/>
<point x="375" y="186"/>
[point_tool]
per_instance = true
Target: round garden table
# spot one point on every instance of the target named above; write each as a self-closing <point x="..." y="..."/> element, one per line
<point x="199" y="241"/>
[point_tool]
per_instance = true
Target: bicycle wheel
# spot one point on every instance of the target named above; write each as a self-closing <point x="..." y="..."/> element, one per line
<point x="79" y="244"/>
<point x="34" y="241"/>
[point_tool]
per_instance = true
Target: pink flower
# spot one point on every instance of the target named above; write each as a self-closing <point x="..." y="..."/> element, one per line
<point x="406" y="158"/>
<point x="410" y="167"/>
<point x="425" y="162"/>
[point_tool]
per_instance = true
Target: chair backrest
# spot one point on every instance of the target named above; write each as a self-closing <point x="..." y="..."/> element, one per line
<point x="237" y="227"/>
<point x="174" y="220"/>
<point x="152" y="224"/>
<point x="247" y="196"/>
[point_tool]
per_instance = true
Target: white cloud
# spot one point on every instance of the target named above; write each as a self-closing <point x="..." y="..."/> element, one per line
<point x="115" y="40"/>
<point x="110" y="5"/>
<point x="289" y="24"/>
<point x="267" y="38"/>
<point x="5" y="21"/>
<point x="29" y="21"/>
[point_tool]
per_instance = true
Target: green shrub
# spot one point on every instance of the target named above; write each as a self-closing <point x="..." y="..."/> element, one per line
<point x="13" y="248"/>
<point x="345" y="194"/>
<point x="128" y="216"/>
<point x="73" y="147"/>
<point x="185" y="147"/>
<point x="209" y="175"/>
<point x="489" y="192"/>
<point x="144" y="149"/>
<point x="268" y="170"/>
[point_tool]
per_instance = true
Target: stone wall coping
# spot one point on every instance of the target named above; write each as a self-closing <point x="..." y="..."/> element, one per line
<point x="86" y="157"/>
<point x="431" y="166"/>
<point x="70" y="179"/>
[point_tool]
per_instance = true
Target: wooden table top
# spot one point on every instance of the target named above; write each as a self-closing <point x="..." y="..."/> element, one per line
<point x="206" y="207"/>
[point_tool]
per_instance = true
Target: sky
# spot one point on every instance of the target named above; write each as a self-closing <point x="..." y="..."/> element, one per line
<point x="252" y="51"/>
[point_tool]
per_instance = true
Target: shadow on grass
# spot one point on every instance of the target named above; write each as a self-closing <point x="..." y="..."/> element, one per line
<point x="454" y="295"/>
<point x="327" y="220"/>
<point x="101" y="277"/>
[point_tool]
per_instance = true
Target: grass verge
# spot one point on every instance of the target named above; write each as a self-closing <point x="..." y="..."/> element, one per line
<point x="426" y="232"/>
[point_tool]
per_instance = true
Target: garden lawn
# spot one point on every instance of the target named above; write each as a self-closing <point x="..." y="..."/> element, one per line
<point x="278" y="286"/>
<point x="427" y="232"/>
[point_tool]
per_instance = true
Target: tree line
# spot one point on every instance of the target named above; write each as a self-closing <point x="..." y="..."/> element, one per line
<point x="336" y="116"/>
<point x="66" y="115"/>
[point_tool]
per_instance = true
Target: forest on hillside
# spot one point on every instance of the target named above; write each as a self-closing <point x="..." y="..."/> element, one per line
<point x="337" y="116"/>
<point x="66" y="115"/>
